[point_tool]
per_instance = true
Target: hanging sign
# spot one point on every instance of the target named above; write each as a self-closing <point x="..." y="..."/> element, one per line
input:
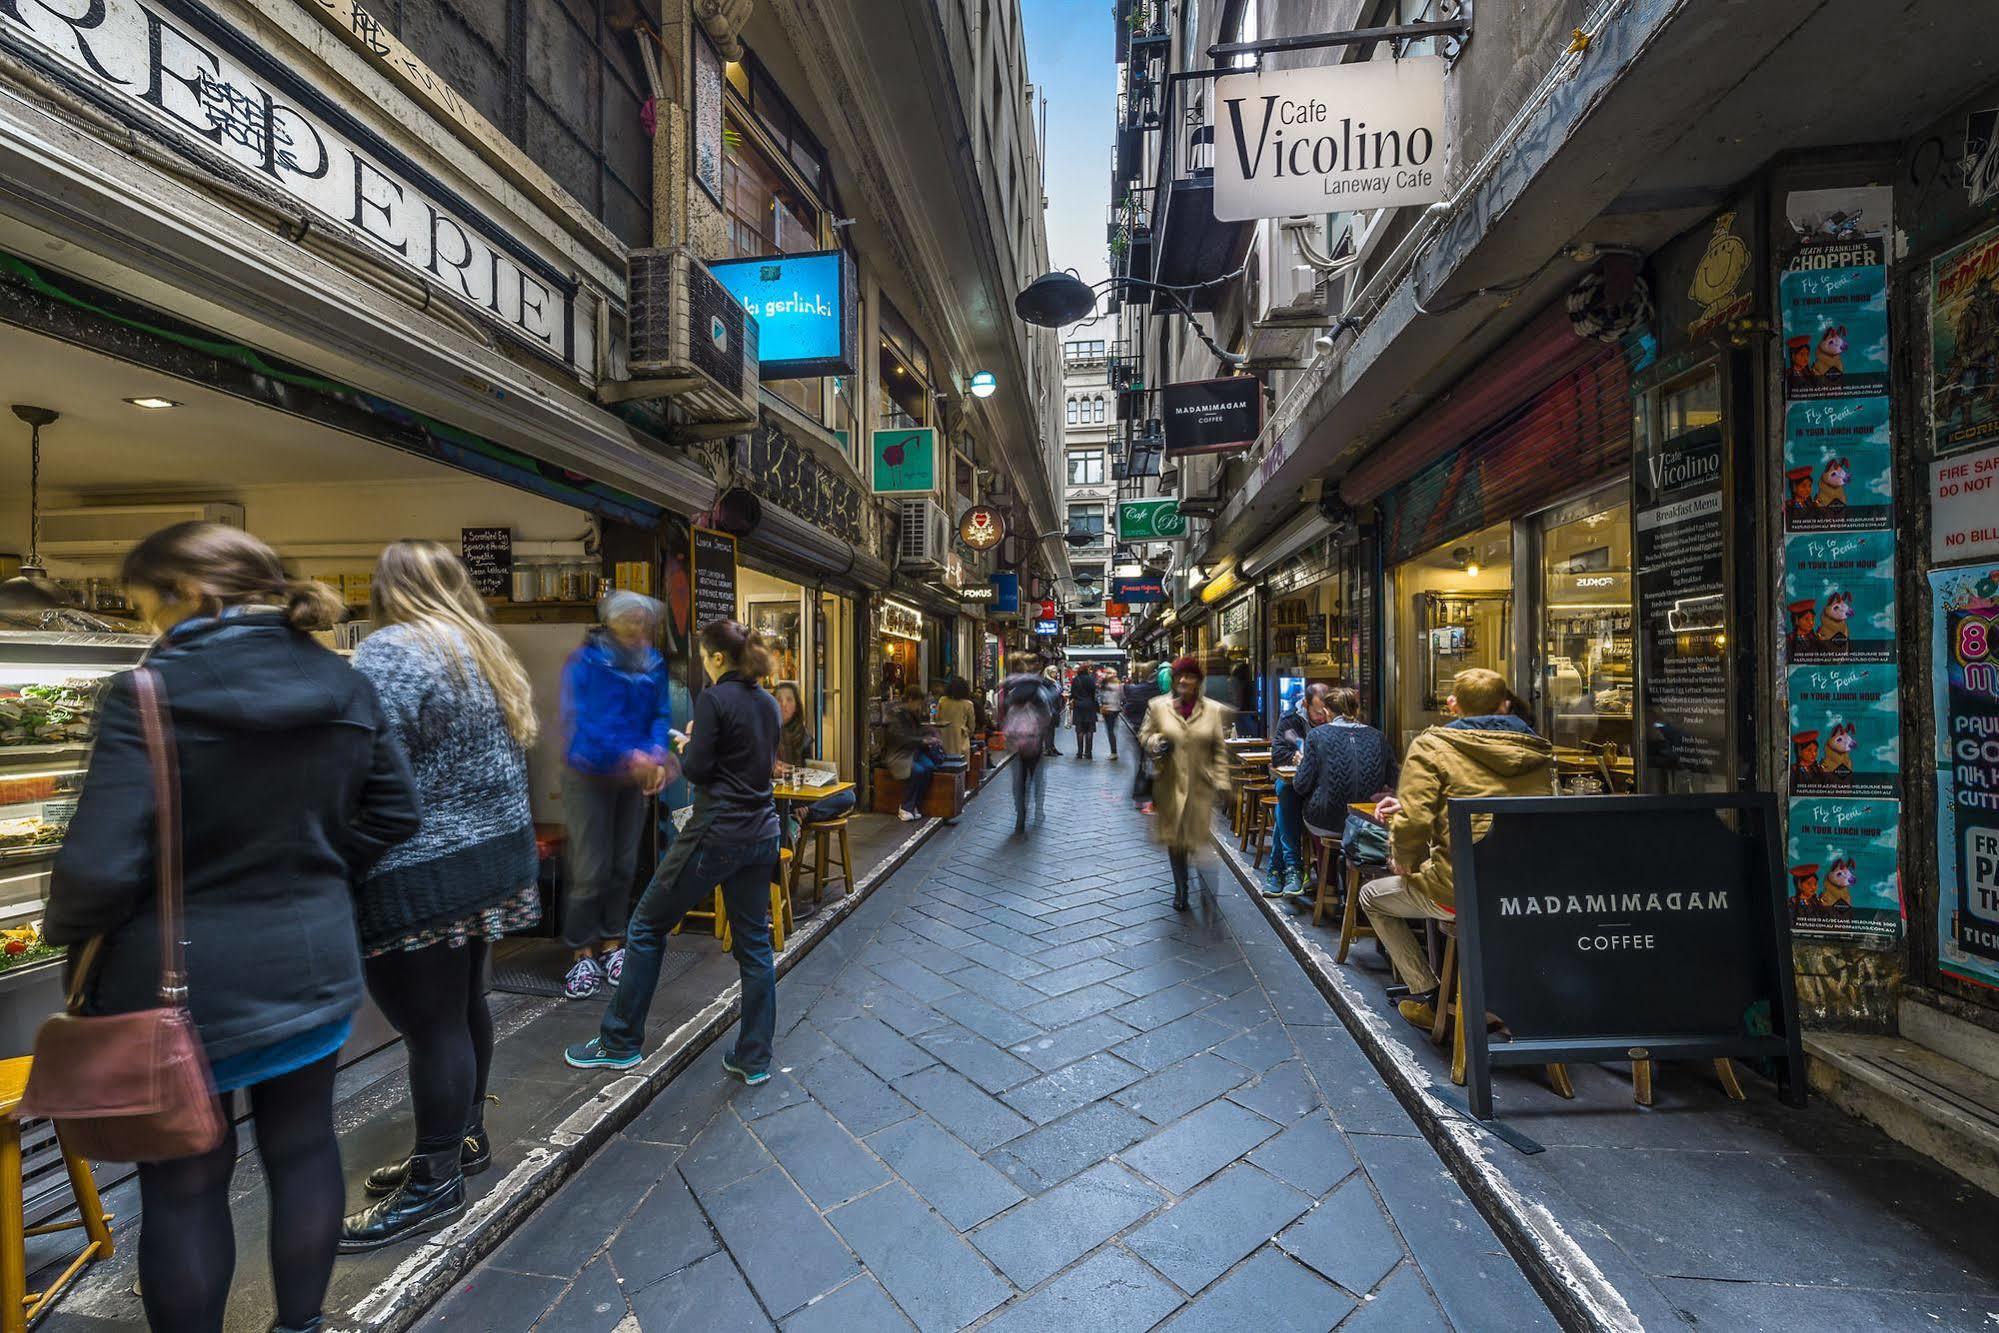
<point x="982" y="528"/>
<point x="905" y="461"/>
<point x="1140" y="589"/>
<point x="1151" y="521"/>
<point x="194" y="77"/>
<point x="1047" y="627"/>
<point x="1964" y="669"/>
<point x="804" y="308"/>
<point x="1006" y="594"/>
<point x="1212" y="416"/>
<point x="714" y="577"/>
<point x="1329" y="139"/>
<point x="899" y="620"/>
<point x="488" y="554"/>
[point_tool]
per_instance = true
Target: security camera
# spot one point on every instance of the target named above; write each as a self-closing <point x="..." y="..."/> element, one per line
<point x="1323" y="344"/>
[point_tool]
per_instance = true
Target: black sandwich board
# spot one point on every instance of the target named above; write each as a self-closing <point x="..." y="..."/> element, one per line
<point x="1596" y="925"/>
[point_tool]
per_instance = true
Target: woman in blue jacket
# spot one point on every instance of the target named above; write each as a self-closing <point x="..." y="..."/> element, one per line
<point x="618" y="716"/>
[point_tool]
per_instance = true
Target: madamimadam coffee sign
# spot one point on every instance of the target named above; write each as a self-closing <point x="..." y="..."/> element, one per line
<point x="1331" y="138"/>
<point x="1212" y="416"/>
<point x="1600" y="926"/>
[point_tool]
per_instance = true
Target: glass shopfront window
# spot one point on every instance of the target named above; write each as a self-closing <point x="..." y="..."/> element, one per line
<point x="1454" y="606"/>
<point x="1587" y="668"/>
<point x="1310" y="627"/>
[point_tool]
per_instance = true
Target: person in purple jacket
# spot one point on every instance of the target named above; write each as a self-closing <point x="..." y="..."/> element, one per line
<point x="618" y="716"/>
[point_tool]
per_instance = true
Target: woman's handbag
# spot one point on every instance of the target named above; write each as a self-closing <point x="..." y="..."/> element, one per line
<point x="1365" y="842"/>
<point x="133" y="1087"/>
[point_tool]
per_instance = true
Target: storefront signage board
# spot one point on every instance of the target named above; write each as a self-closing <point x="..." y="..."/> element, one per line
<point x="1212" y="416"/>
<point x="982" y="528"/>
<point x="1046" y="628"/>
<point x="714" y="577"/>
<point x="1679" y="534"/>
<point x="1964" y="669"/>
<point x="195" y="77"/>
<point x="1135" y="591"/>
<point x="1597" y="924"/>
<point x="1006" y="594"/>
<point x="488" y="554"/>
<point x="1330" y="138"/>
<point x="1964" y="345"/>
<point x="804" y="307"/>
<point x="1964" y="506"/>
<point x="1151" y="521"/>
<point x="905" y="462"/>
<point x="900" y="620"/>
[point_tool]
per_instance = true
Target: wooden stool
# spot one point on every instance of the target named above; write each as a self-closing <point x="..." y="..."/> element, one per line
<point x="20" y="1307"/>
<point x="780" y="909"/>
<point x="1252" y="810"/>
<point x="1451" y="982"/>
<point x="1324" y="861"/>
<point x="1261" y="833"/>
<point x="822" y="834"/>
<point x="1354" y="924"/>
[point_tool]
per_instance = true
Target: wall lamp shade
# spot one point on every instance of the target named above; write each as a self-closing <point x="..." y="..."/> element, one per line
<point x="1055" y="300"/>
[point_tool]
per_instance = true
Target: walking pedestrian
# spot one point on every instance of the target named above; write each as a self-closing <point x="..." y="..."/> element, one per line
<point x="1138" y="692"/>
<point x="459" y="702"/>
<point x="1083" y="708"/>
<point x="1052" y="674"/>
<point x="1026" y="715"/>
<point x="1109" y="691"/>
<point x="731" y="841"/>
<point x="909" y="749"/>
<point x="1183" y="737"/>
<point x="1287" y="869"/>
<point x="618" y="714"/>
<point x="291" y="786"/>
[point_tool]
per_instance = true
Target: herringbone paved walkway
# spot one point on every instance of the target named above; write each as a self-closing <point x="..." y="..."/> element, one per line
<point x="1019" y="1091"/>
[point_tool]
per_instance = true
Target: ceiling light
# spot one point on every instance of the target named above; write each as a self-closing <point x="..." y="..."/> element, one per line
<point x="152" y="403"/>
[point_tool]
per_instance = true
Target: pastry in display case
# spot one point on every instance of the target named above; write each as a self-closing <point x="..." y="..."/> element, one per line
<point x="50" y="683"/>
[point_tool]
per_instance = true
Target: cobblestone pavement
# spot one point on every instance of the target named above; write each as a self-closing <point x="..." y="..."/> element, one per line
<point x="1018" y="1091"/>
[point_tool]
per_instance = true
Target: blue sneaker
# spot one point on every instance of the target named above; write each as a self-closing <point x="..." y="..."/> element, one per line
<point x="752" y="1080"/>
<point x="592" y="1055"/>
<point x="1273" y="885"/>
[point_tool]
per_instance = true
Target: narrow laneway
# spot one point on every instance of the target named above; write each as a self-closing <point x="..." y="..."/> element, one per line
<point x="1019" y="1091"/>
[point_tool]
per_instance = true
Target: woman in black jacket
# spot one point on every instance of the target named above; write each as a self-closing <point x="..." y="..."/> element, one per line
<point x="730" y="840"/>
<point x="291" y="786"/>
<point x="1344" y="761"/>
<point x="1083" y="708"/>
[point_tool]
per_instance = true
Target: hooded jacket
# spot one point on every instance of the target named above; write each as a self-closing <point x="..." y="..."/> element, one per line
<point x="614" y="704"/>
<point x="1482" y="756"/>
<point x="292" y="785"/>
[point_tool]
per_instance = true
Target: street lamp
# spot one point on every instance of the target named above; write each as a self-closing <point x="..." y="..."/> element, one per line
<point x="1057" y="300"/>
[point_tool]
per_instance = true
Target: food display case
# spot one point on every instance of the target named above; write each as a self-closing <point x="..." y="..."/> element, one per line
<point x="50" y="681"/>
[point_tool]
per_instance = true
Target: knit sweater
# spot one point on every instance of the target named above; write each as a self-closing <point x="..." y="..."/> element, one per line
<point x="476" y="846"/>
<point x="1343" y="762"/>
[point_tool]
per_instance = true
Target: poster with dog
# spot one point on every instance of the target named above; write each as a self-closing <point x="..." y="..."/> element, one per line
<point x="1839" y="597"/>
<point x="1846" y="733"/>
<point x="1834" y="298"/>
<point x="1838" y="472"/>
<point x="1845" y="883"/>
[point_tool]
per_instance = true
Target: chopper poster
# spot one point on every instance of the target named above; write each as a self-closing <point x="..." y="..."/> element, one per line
<point x="1838" y="472"/>
<point x="1842" y="858"/>
<point x="1839" y="597"/>
<point x="1964" y="669"/>
<point x="1964" y="344"/>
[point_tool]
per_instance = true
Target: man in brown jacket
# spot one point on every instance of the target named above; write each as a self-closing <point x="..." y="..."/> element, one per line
<point x="1485" y="750"/>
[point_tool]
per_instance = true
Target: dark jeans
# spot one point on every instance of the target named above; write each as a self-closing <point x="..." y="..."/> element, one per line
<point x="1288" y="838"/>
<point x="745" y="871"/>
<point x="605" y="818"/>
<point x="436" y="998"/>
<point x="1027" y="773"/>
<point x="1110" y="731"/>
<point x="187" y="1247"/>
<point x="922" y="767"/>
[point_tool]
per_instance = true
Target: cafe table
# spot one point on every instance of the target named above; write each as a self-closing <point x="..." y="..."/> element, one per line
<point x="786" y="792"/>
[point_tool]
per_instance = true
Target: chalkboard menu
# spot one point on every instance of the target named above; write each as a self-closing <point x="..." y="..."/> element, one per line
<point x="1316" y="639"/>
<point x="714" y="577"/>
<point x="489" y="556"/>
<point x="1596" y="925"/>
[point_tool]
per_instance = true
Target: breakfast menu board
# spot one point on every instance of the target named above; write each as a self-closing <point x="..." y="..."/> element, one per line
<point x="714" y="577"/>
<point x="489" y="557"/>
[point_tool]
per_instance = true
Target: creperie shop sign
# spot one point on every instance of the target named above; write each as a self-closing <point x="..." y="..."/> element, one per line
<point x="197" y="78"/>
<point x="1331" y="138"/>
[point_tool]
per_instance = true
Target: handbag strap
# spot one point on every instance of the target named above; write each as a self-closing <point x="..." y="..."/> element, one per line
<point x="166" y="827"/>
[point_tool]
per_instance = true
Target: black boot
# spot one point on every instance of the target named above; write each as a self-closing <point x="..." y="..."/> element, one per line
<point x="432" y="1196"/>
<point x="1179" y="886"/>
<point x="474" y="1156"/>
<point x="318" y="1323"/>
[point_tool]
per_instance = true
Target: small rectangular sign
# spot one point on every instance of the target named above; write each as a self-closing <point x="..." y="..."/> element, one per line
<point x="905" y="461"/>
<point x="1964" y="506"/>
<point x="804" y="308"/>
<point x="1151" y="521"/>
<point x="1329" y="139"/>
<point x="1133" y="591"/>
<point x="1006" y="594"/>
<point x="488" y="554"/>
<point x="714" y="577"/>
<point x="1212" y="416"/>
<point x="1047" y="627"/>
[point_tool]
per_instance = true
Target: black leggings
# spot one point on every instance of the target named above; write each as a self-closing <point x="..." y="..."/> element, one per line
<point x="187" y="1247"/>
<point x="436" y="998"/>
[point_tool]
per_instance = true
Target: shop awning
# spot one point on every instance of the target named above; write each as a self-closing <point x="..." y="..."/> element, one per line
<point x="1302" y="530"/>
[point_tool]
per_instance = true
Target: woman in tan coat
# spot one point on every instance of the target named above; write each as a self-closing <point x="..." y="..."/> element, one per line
<point x="1182" y="736"/>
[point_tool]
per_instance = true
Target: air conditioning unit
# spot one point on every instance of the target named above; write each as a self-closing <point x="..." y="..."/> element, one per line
<point x="1290" y="297"/>
<point x="923" y="538"/>
<point x="690" y="339"/>
<point x="109" y="531"/>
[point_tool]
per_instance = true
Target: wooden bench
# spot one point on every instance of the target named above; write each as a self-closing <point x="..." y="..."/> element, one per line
<point x="945" y="800"/>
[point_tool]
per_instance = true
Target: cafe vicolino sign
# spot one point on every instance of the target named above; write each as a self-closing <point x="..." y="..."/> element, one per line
<point x="1333" y="138"/>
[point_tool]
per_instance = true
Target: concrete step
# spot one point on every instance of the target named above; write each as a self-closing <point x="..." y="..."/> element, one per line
<point x="1947" y="1034"/>
<point x="1925" y="1100"/>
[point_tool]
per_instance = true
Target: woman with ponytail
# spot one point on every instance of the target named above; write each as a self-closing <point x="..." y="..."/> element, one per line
<point x="730" y="840"/>
<point x="459" y="701"/>
<point x="292" y="786"/>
